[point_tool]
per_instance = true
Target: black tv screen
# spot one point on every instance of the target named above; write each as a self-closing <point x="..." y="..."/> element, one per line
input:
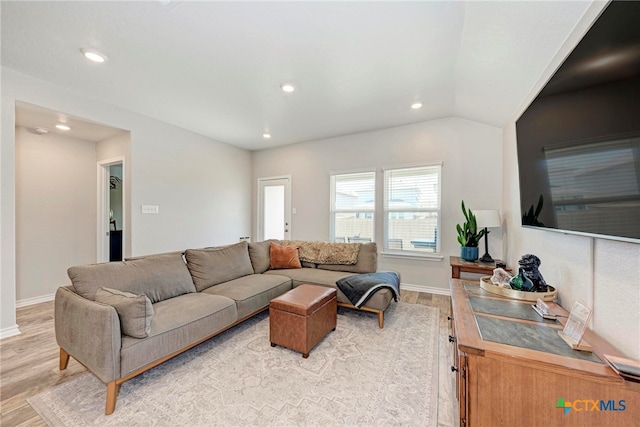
<point x="578" y="142"/>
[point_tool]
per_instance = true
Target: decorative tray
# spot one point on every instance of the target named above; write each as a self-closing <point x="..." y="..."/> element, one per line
<point x="550" y="295"/>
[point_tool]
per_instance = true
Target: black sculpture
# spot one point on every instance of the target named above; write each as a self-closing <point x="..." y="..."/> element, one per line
<point x="530" y="263"/>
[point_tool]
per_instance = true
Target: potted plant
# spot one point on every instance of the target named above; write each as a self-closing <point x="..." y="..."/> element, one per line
<point x="469" y="236"/>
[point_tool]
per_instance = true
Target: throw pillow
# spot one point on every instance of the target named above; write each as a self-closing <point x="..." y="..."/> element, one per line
<point x="284" y="257"/>
<point x="135" y="311"/>
<point x="259" y="254"/>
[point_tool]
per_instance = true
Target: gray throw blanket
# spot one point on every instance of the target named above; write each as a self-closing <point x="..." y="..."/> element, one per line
<point x="361" y="287"/>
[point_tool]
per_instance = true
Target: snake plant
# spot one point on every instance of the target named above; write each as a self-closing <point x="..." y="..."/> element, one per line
<point x="468" y="234"/>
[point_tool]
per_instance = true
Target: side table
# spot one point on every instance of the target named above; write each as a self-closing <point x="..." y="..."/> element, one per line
<point x="459" y="265"/>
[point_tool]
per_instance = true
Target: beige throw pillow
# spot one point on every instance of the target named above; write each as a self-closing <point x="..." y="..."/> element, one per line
<point x="135" y="311"/>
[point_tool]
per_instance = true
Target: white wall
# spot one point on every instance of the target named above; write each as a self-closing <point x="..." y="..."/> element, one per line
<point x="601" y="273"/>
<point x="55" y="211"/>
<point x="201" y="186"/>
<point x="472" y="168"/>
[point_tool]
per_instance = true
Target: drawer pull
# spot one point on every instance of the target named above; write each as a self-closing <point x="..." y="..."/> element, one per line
<point x="448" y="317"/>
<point x="451" y="338"/>
<point x="454" y="369"/>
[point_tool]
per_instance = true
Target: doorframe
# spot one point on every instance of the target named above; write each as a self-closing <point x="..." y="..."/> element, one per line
<point x="102" y="217"/>
<point x="287" y="203"/>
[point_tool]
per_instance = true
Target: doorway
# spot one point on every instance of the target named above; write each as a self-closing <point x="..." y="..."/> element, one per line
<point x="274" y="208"/>
<point x="111" y="210"/>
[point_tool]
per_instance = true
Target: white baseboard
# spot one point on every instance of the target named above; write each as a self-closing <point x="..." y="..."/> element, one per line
<point x="9" y="332"/>
<point x="422" y="288"/>
<point x="36" y="300"/>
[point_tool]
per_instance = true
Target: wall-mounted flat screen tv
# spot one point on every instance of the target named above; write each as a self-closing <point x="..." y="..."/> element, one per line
<point x="579" y="141"/>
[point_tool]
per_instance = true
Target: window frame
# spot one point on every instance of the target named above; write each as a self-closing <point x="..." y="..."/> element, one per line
<point x="386" y="210"/>
<point x="379" y="210"/>
<point x="367" y="211"/>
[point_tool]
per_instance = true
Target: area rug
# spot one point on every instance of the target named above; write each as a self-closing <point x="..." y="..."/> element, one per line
<point x="357" y="375"/>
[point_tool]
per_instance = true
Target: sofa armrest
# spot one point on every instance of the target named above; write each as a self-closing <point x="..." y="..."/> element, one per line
<point x="90" y="332"/>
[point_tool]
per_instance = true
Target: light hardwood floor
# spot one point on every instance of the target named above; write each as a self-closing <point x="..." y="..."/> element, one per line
<point x="29" y="362"/>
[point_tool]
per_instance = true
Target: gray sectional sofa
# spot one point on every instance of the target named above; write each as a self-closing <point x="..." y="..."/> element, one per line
<point x="120" y="319"/>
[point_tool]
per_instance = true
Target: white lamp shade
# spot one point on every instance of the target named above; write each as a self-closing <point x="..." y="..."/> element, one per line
<point x="488" y="218"/>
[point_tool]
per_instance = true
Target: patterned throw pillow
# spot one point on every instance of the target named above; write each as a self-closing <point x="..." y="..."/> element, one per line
<point x="135" y="311"/>
<point x="284" y="257"/>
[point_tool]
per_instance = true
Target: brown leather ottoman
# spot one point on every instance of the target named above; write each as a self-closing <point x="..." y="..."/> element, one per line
<point x="299" y="319"/>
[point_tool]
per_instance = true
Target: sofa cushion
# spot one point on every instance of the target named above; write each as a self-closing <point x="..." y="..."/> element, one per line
<point x="259" y="254"/>
<point x="158" y="277"/>
<point x="367" y="261"/>
<point x="315" y="276"/>
<point x="177" y="323"/>
<point x="284" y="256"/>
<point x="135" y="311"/>
<point x="209" y="267"/>
<point x="251" y="293"/>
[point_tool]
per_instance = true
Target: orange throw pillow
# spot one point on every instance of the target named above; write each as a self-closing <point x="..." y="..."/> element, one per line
<point x="284" y="256"/>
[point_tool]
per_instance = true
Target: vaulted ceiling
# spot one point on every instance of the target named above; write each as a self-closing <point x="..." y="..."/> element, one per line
<point x="216" y="68"/>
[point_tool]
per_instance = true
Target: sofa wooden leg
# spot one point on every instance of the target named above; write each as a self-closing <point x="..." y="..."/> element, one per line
<point x="64" y="359"/>
<point x="381" y="319"/>
<point x="112" y="394"/>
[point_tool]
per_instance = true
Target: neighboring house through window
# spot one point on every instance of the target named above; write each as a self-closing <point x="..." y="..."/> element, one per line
<point x="412" y="208"/>
<point x="410" y="211"/>
<point x="353" y="207"/>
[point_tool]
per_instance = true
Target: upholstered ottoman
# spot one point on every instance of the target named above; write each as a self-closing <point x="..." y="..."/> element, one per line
<point x="299" y="319"/>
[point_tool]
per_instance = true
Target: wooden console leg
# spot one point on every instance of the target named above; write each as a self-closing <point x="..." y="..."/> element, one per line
<point x="112" y="394"/>
<point x="64" y="359"/>
<point x="381" y="319"/>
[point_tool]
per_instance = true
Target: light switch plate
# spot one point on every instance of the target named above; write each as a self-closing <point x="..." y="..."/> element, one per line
<point x="150" y="209"/>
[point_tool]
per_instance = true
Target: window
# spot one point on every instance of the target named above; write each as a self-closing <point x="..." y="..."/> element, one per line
<point x="353" y="207"/>
<point x="412" y="208"/>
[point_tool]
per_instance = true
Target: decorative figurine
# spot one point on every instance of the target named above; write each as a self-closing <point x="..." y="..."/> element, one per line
<point x="530" y="264"/>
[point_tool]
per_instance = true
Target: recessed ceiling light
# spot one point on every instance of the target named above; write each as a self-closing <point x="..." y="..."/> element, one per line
<point x="39" y="130"/>
<point x="266" y="135"/>
<point x="288" y="87"/>
<point x="62" y="127"/>
<point x="94" y="55"/>
<point x="416" y="105"/>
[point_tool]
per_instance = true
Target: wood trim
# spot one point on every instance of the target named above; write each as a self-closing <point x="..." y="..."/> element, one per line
<point x="190" y="346"/>
<point x="64" y="359"/>
<point x="114" y="386"/>
<point x="380" y="313"/>
<point x="112" y="394"/>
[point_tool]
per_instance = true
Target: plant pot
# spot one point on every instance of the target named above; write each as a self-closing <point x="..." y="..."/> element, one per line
<point x="468" y="253"/>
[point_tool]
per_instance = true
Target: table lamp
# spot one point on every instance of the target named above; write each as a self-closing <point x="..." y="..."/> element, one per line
<point x="487" y="219"/>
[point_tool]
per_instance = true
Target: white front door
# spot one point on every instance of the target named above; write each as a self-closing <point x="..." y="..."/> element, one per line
<point x="274" y="208"/>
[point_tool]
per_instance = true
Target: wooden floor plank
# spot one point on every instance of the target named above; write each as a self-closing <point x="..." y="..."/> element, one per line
<point x="29" y="362"/>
